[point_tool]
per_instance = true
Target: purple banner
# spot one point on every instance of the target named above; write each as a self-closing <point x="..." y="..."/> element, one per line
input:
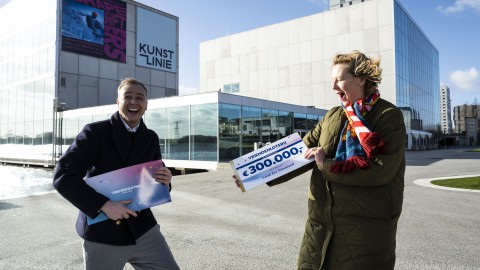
<point x="96" y="28"/>
<point x="134" y="183"/>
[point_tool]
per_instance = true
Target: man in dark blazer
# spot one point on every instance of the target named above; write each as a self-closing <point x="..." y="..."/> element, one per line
<point x="122" y="141"/>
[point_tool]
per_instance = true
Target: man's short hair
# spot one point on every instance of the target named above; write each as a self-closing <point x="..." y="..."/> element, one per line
<point x="131" y="81"/>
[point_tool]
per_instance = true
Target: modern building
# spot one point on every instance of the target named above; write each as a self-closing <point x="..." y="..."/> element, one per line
<point x="60" y="71"/>
<point x="204" y="131"/>
<point x="445" y="110"/>
<point x="291" y="61"/>
<point x="467" y="123"/>
<point x="58" y="55"/>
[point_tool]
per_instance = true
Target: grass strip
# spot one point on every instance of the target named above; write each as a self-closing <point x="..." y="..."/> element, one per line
<point x="466" y="183"/>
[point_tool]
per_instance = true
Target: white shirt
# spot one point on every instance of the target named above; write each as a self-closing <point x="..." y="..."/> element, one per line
<point x="129" y="129"/>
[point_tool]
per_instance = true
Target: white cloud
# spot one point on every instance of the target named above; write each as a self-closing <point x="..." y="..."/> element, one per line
<point x="459" y="6"/>
<point x="184" y="90"/>
<point x="467" y="80"/>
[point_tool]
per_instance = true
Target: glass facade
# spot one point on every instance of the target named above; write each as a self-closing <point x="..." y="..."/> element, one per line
<point x="417" y="74"/>
<point x="216" y="132"/>
<point x="240" y="127"/>
<point x="27" y="80"/>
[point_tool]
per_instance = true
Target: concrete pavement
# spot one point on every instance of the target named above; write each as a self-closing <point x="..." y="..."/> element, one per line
<point x="210" y="224"/>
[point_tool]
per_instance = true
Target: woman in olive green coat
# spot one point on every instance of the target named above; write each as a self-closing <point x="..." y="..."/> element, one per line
<point x="356" y="190"/>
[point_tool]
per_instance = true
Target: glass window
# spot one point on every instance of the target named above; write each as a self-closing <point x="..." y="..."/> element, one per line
<point x="203" y="132"/>
<point x="270" y="128"/>
<point x="177" y="139"/>
<point x="29" y="101"/>
<point x="229" y="131"/>
<point x="19" y="132"/>
<point x="300" y="121"/>
<point x="28" y="139"/>
<point x="285" y="123"/>
<point x="231" y="88"/>
<point x="251" y="122"/>
<point x="155" y="120"/>
<point x="312" y="120"/>
<point x="38" y="105"/>
<point x="48" y="131"/>
<point x="38" y="132"/>
<point x="11" y="132"/>
<point x="3" y="133"/>
<point x="70" y="128"/>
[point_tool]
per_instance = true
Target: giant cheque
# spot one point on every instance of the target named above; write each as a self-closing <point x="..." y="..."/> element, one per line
<point x="280" y="159"/>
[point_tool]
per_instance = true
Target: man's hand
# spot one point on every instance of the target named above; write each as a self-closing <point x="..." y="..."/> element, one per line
<point x="117" y="210"/>
<point x="163" y="175"/>
<point x="318" y="153"/>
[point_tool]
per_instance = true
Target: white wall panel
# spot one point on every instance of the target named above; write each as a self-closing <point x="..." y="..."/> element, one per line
<point x="294" y="73"/>
<point x="306" y="52"/>
<point x="342" y="20"/>
<point x="329" y="27"/>
<point x="109" y="69"/>
<point x="356" y="18"/>
<point x="356" y="41"/>
<point x="371" y="40"/>
<point x="273" y="78"/>
<point x="306" y="74"/>
<point x="385" y="12"/>
<point x="283" y="56"/>
<point x="386" y="38"/>
<point x="318" y="72"/>
<point x="273" y="58"/>
<point x="283" y="77"/>
<point x="170" y="80"/>
<point x="263" y="60"/>
<point x="317" y="49"/>
<point x="69" y="62"/>
<point x="329" y="47"/>
<point x="157" y="77"/>
<point x="306" y="95"/>
<point x="343" y="43"/>
<point x="88" y="65"/>
<point x="263" y="80"/>
<point x="305" y="29"/>
<point x="293" y="31"/>
<point x="294" y="54"/>
<point x="227" y="66"/>
<point x="371" y="17"/>
<point x="317" y="26"/>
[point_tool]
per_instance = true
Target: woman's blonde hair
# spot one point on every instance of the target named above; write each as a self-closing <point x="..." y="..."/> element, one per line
<point x="360" y="65"/>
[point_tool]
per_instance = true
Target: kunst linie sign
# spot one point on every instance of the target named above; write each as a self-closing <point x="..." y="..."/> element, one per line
<point x="156" y="41"/>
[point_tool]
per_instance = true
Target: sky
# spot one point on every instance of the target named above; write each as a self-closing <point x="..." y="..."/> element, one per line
<point x="453" y="26"/>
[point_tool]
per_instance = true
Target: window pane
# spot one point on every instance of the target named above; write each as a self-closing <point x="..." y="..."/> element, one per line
<point x="177" y="138"/>
<point x="229" y="131"/>
<point x="203" y="129"/>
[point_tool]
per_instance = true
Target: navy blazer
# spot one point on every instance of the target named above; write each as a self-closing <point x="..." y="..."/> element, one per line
<point x="99" y="148"/>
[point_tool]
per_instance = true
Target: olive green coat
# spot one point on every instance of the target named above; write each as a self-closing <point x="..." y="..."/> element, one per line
<point x="352" y="217"/>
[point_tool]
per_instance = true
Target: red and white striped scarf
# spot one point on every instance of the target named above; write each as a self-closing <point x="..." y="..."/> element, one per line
<point x="358" y="143"/>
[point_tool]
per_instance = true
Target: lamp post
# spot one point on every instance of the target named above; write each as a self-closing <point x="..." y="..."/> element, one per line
<point x="58" y="107"/>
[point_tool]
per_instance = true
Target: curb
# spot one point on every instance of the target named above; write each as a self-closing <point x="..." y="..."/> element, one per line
<point x="426" y="183"/>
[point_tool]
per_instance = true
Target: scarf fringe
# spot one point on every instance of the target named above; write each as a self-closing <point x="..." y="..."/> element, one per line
<point x="354" y="162"/>
<point x="373" y="144"/>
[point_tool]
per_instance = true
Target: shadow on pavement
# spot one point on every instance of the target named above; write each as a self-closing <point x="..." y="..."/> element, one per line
<point x="427" y="157"/>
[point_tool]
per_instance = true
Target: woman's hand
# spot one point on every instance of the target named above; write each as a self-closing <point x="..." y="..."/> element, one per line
<point x="318" y="153"/>
<point x="237" y="181"/>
